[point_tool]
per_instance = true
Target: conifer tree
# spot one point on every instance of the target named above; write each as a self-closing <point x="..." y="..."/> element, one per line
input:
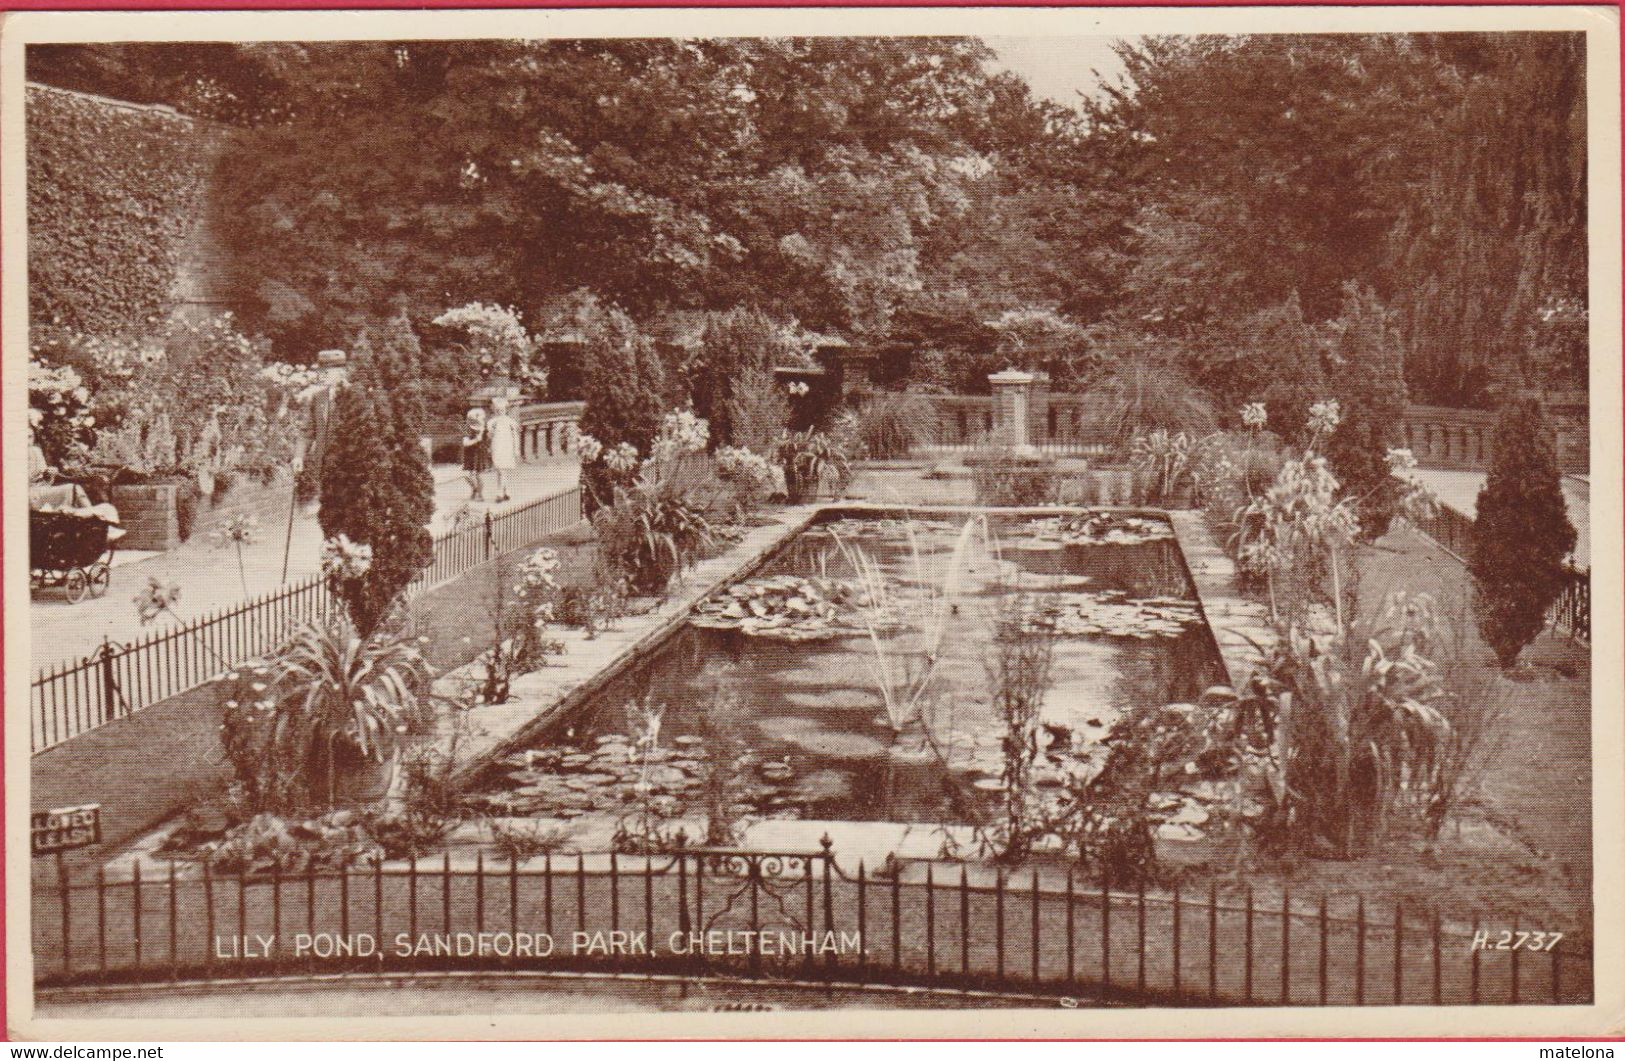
<point x="389" y="360"/>
<point x="1522" y="533"/>
<point x="622" y="384"/>
<point x="1369" y="381"/>
<point x="376" y="490"/>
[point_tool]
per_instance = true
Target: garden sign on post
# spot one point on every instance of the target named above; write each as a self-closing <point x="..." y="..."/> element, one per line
<point x="63" y="829"/>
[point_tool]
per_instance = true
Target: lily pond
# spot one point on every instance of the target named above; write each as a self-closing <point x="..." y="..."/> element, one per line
<point x="848" y="678"/>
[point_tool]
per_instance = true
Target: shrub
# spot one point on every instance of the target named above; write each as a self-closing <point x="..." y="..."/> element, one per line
<point x="1281" y="366"/>
<point x="1001" y="479"/>
<point x="190" y="399"/>
<point x="748" y="475"/>
<point x="1369" y="381"/>
<point x="890" y="424"/>
<point x="389" y="360"/>
<point x="523" y="841"/>
<point x="737" y="350"/>
<point x="758" y="411"/>
<point x="1165" y="460"/>
<point x="268" y="843"/>
<point x="594" y="606"/>
<point x="1344" y="737"/>
<point x="622" y="386"/>
<point x="1521" y="535"/>
<point x="59" y="417"/>
<point x="1144" y="391"/>
<point x="1229" y="470"/>
<point x="653" y="531"/>
<point x="477" y="343"/>
<point x="812" y="461"/>
<point x="376" y="491"/>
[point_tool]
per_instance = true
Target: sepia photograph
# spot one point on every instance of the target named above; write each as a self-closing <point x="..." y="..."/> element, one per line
<point x="619" y="523"/>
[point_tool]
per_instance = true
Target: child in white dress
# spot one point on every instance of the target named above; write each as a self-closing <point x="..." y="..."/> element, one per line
<point x="503" y="431"/>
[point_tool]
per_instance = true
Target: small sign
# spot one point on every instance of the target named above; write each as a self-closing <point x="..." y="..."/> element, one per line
<point x="65" y="828"/>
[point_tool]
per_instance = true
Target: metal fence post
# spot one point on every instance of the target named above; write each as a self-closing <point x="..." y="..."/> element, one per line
<point x="109" y="683"/>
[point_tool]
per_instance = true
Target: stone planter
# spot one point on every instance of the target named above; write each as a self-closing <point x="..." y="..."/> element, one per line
<point x="150" y="513"/>
<point x="362" y="781"/>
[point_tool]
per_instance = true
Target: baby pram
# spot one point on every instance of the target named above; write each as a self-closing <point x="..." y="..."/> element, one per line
<point x="73" y="550"/>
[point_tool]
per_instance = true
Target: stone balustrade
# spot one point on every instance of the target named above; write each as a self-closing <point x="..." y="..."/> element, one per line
<point x="1463" y="439"/>
<point x="544" y="430"/>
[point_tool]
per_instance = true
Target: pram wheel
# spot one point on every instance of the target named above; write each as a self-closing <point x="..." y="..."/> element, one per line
<point x="77" y="585"/>
<point x="101" y="576"/>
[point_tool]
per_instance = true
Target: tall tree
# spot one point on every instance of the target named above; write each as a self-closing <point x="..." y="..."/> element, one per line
<point x="622" y="383"/>
<point x="1489" y="256"/>
<point x="377" y="491"/>
<point x="1521" y="534"/>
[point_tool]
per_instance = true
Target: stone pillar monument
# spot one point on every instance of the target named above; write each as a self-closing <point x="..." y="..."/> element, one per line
<point x="1012" y="409"/>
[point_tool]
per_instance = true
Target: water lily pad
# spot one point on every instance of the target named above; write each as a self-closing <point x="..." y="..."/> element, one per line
<point x="1102" y="528"/>
<point x="1113" y="613"/>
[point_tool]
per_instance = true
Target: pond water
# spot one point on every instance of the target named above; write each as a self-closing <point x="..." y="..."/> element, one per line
<point x="774" y="708"/>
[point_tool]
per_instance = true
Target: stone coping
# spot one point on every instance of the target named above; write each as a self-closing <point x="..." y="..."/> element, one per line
<point x="539" y="698"/>
<point x="1236" y="620"/>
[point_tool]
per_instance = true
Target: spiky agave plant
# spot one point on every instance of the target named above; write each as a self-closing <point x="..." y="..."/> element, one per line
<point x="336" y="690"/>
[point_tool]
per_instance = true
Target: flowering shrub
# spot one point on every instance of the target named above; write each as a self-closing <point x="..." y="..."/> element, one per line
<point x="487" y="340"/>
<point x="681" y="434"/>
<point x="344" y="560"/>
<point x="536" y="574"/>
<point x="191" y="400"/>
<point x="1300" y="528"/>
<point x="1166" y="459"/>
<point x="300" y="382"/>
<point x="747" y="473"/>
<point x="59" y="417"/>
<point x="622" y="459"/>
<point x="588" y="449"/>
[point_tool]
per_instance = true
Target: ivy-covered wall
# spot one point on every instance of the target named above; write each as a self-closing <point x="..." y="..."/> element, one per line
<point x="112" y="191"/>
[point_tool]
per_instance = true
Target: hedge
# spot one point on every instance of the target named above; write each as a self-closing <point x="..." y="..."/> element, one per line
<point x="112" y="191"/>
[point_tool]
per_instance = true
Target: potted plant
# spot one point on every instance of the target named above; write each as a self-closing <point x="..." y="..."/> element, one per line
<point x="341" y="704"/>
<point x="809" y="459"/>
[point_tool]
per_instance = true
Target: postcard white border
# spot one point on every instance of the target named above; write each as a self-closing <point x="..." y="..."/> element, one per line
<point x="1601" y="26"/>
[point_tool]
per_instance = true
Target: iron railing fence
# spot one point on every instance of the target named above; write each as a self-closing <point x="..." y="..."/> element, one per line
<point x="1571" y="612"/>
<point x="792" y="914"/>
<point x="1450" y="530"/>
<point x="119" y="679"/>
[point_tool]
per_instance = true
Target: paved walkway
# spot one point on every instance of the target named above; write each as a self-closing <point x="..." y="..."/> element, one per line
<point x="209" y="576"/>
<point x="1459" y="490"/>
